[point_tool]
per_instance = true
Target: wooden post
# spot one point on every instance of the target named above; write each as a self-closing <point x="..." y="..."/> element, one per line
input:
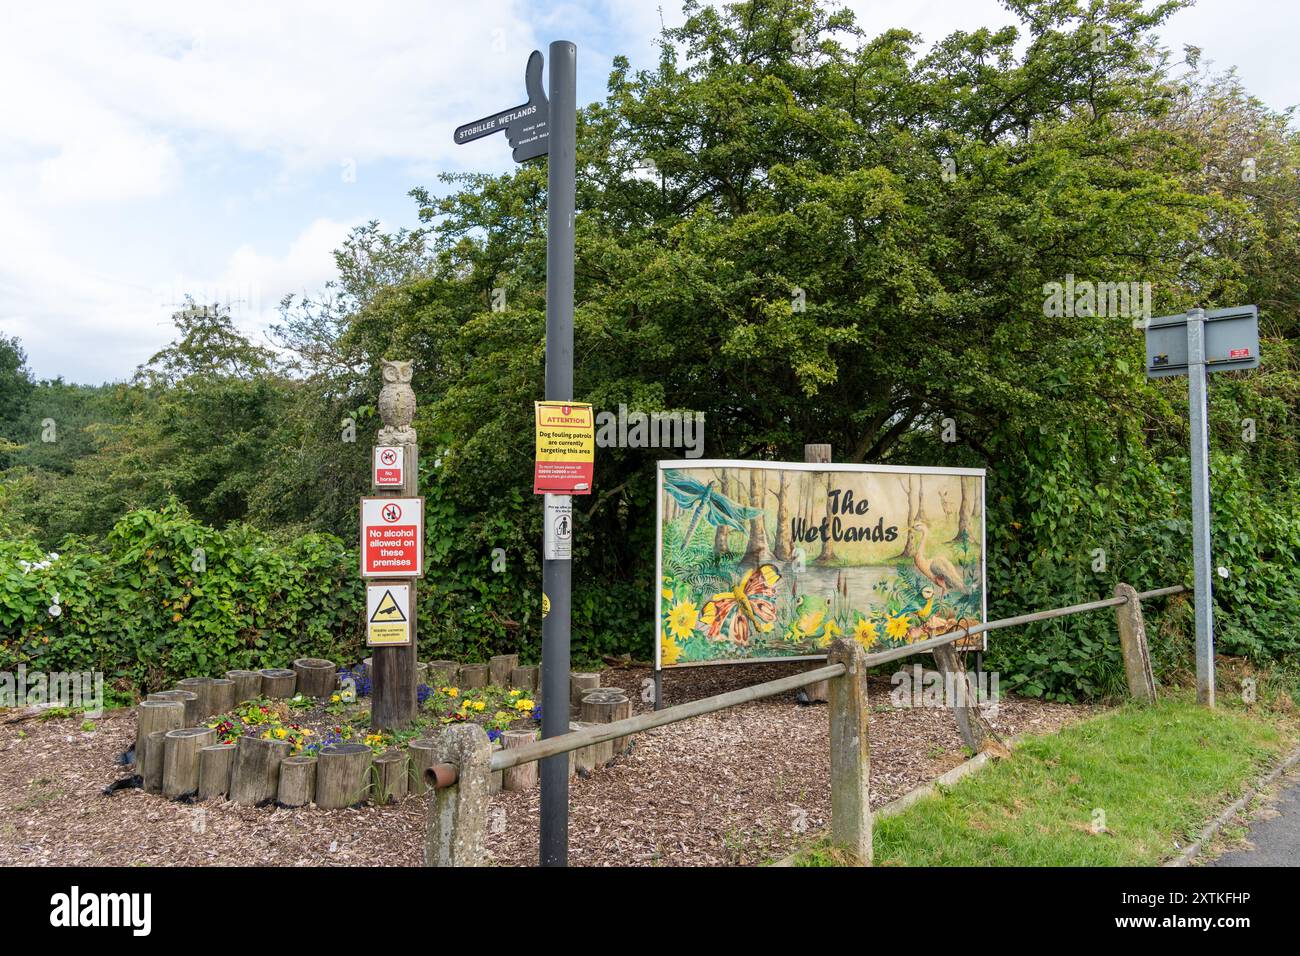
<point x="524" y="776"/>
<point x="591" y="758"/>
<point x="154" y="717"/>
<point x="442" y="674"/>
<point x="499" y="668"/>
<point x="297" y="781"/>
<point x="393" y="681"/>
<point x="255" y="777"/>
<point x="203" y="687"/>
<point x="222" y="690"/>
<point x="391" y="773"/>
<point x="248" y="684"/>
<point x="188" y="699"/>
<point x="278" y="682"/>
<point x="153" y="761"/>
<point x="850" y="753"/>
<point x="181" y="760"/>
<point x="604" y="707"/>
<point x="579" y="683"/>
<point x="342" y="775"/>
<point x="1133" y="643"/>
<point x="525" y="678"/>
<point x="473" y="676"/>
<point x="421" y="752"/>
<point x="151" y="716"/>
<point x="316" y="677"/>
<point x="819" y="692"/>
<point x="215" y="764"/>
<point x="972" y="726"/>
<point x="456" y="832"/>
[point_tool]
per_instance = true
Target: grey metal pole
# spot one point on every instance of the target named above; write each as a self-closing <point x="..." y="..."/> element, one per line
<point x="556" y="577"/>
<point x="1201" y="555"/>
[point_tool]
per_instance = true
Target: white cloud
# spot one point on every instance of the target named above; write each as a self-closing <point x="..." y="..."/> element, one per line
<point x="154" y="149"/>
<point x="116" y="167"/>
<point x="309" y="82"/>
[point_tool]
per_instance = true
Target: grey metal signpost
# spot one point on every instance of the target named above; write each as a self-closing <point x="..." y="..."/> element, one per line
<point x="1194" y="345"/>
<point x="547" y="123"/>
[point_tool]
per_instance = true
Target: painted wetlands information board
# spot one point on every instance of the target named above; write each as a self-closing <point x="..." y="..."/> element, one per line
<point x="771" y="560"/>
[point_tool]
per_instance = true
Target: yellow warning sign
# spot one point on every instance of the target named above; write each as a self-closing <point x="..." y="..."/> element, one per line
<point x="566" y="448"/>
<point x="387" y="617"/>
<point x="546" y="605"/>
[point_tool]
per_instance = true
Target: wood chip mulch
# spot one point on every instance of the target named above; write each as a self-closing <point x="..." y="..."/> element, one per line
<point x="739" y="787"/>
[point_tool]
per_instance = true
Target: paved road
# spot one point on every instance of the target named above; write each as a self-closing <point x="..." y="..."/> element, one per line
<point x="1276" y="840"/>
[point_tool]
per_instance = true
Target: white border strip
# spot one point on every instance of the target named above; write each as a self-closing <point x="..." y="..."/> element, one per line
<point x="805" y="466"/>
<point x="691" y="463"/>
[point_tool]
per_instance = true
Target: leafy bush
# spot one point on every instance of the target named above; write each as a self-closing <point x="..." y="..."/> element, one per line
<point x="166" y="597"/>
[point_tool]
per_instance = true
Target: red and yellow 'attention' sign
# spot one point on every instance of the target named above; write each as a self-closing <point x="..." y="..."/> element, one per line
<point x="566" y="448"/>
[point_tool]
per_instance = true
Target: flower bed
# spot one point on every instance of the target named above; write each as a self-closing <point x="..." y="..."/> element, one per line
<point x="310" y="725"/>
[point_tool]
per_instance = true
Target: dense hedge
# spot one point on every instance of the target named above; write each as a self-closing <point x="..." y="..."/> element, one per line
<point x="166" y="597"/>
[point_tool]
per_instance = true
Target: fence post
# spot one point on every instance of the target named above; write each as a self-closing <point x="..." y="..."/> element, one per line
<point x="1133" y="642"/>
<point x="850" y="752"/>
<point x="820" y="691"/>
<point x="456" y="831"/>
<point x="972" y="726"/>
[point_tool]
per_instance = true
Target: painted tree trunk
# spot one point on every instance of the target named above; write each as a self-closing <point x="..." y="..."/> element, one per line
<point x="964" y="511"/>
<point x="756" y="548"/>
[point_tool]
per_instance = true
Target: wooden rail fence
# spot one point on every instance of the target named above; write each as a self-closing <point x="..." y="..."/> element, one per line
<point x="459" y="782"/>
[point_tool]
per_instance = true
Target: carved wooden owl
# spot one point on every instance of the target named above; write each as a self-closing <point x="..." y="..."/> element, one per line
<point x="396" y="404"/>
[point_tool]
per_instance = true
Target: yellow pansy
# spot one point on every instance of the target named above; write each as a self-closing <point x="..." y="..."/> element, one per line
<point x="524" y="704"/>
<point x="479" y="705"/>
<point x="451" y="691"/>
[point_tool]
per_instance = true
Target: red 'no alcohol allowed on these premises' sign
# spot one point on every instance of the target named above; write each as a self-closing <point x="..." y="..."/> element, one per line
<point x="392" y="537"/>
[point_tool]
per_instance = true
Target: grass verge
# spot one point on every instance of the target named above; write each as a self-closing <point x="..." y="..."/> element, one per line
<point x="1117" y="790"/>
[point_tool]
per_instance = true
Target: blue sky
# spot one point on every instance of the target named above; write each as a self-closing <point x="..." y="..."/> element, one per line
<point x="225" y="149"/>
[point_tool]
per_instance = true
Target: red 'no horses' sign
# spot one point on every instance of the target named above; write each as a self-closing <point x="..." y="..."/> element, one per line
<point x="388" y="464"/>
<point x="392" y="537"/>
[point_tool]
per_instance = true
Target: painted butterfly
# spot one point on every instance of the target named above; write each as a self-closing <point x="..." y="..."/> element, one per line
<point x="752" y="602"/>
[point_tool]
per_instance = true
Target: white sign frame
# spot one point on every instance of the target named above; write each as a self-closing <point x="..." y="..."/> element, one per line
<point x="376" y="464"/>
<point x="691" y="463"/>
<point x="371" y="517"/>
<point x="375" y="592"/>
